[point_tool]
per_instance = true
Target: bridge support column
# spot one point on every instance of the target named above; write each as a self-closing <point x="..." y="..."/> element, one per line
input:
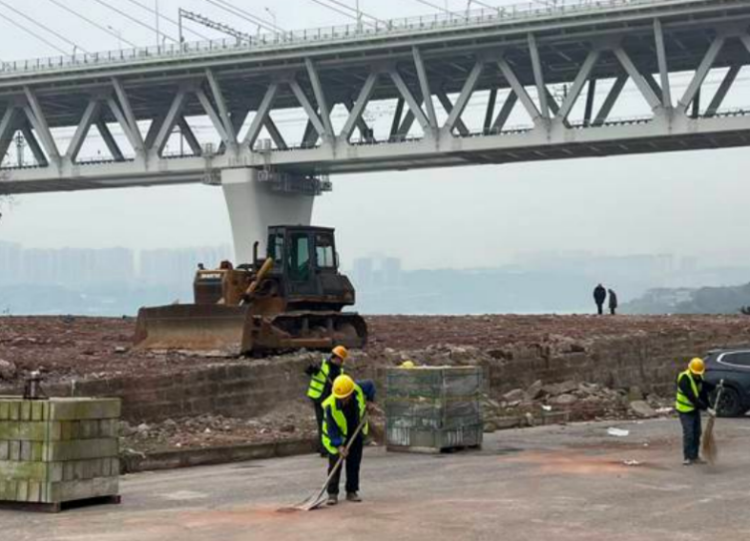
<point x="254" y="206"/>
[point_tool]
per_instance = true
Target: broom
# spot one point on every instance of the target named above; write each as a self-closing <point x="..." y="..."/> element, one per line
<point x="319" y="498"/>
<point x="709" y="450"/>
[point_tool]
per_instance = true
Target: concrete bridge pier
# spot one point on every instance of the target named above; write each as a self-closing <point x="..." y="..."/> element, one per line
<point x="254" y="206"/>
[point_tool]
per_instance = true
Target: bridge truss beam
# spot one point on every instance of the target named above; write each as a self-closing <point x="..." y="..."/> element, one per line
<point x="563" y="88"/>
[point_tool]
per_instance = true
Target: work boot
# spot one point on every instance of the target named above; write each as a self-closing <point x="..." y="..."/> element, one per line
<point x="333" y="499"/>
<point x="353" y="497"/>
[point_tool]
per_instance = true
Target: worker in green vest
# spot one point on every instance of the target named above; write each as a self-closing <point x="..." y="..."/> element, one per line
<point x="692" y="397"/>
<point x="322" y="376"/>
<point x="343" y="412"/>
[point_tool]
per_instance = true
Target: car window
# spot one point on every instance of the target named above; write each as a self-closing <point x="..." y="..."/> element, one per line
<point x="740" y="358"/>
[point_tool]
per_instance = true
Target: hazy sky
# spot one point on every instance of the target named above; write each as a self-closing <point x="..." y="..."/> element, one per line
<point x="687" y="203"/>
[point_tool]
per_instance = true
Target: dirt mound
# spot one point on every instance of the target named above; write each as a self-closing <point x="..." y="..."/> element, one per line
<point x="101" y="347"/>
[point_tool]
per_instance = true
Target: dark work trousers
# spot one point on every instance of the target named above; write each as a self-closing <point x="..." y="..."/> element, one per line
<point x="352" y="463"/>
<point x="691" y="434"/>
<point x="318" y="405"/>
<point x="600" y="308"/>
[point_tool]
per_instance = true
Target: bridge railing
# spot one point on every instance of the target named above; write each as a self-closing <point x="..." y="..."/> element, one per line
<point x="373" y="28"/>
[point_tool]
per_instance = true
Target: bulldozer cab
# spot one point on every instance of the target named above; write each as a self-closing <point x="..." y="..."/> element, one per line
<point x="305" y="258"/>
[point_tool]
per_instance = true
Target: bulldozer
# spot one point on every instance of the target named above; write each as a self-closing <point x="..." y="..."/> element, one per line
<point x="291" y="299"/>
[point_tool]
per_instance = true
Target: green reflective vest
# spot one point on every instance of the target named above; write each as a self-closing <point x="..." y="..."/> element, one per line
<point x="331" y="404"/>
<point x="319" y="379"/>
<point x="683" y="403"/>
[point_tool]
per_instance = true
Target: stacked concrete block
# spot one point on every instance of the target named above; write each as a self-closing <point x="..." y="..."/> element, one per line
<point x="58" y="450"/>
<point x="433" y="409"/>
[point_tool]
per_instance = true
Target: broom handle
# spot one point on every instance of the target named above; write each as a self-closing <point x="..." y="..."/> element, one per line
<point x="341" y="459"/>
<point x="718" y="396"/>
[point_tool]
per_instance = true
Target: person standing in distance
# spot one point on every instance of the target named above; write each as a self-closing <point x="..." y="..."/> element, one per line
<point x="600" y="295"/>
<point x="612" y="302"/>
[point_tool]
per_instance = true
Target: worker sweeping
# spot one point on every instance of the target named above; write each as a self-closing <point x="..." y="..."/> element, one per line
<point x="322" y="377"/>
<point x="343" y="412"/>
<point x="692" y="397"/>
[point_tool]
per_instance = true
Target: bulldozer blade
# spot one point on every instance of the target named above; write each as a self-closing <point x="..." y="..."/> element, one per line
<point x="193" y="327"/>
<point x="238" y="330"/>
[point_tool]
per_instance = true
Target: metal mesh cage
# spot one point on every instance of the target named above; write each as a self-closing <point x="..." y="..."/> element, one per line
<point x="432" y="409"/>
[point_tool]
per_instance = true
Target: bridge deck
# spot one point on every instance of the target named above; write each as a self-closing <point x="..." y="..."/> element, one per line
<point x="559" y="71"/>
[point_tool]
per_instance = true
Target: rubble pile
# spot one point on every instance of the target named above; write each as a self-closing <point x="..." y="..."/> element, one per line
<point x="207" y="431"/>
<point x="8" y="370"/>
<point x="217" y="431"/>
<point x="542" y="404"/>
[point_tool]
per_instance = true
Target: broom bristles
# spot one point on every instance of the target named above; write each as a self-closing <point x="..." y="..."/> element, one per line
<point x="709" y="449"/>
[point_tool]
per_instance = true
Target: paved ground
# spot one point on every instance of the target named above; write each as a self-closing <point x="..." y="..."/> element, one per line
<point x="562" y="483"/>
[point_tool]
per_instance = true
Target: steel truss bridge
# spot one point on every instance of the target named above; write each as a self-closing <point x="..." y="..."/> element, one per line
<point x="428" y="69"/>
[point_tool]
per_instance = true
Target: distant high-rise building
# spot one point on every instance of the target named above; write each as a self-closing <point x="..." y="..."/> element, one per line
<point x="362" y="272"/>
<point x="82" y="267"/>
<point x="177" y="266"/>
<point x="391" y="271"/>
<point x="74" y="267"/>
<point x="10" y="262"/>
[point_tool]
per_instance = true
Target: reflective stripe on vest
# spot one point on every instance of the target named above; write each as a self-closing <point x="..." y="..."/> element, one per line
<point x="319" y="379"/>
<point x="331" y="404"/>
<point x="683" y="403"/>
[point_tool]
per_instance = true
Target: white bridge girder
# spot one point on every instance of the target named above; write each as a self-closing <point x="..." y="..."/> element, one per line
<point x="653" y="41"/>
<point x="662" y="134"/>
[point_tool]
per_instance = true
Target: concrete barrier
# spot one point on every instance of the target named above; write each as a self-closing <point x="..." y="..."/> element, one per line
<point x="58" y="450"/>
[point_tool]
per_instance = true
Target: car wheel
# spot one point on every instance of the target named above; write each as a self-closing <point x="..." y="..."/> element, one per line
<point x="731" y="403"/>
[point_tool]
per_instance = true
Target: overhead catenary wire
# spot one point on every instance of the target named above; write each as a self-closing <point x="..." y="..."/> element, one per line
<point x="359" y="12"/>
<point x="168" y="19"/>
<point x="251" y="15"/>
<point x="91" y="22"/>
<point x="477" y="2"/>
<point x="337" y="10"/>
<point x="437" y="7"/>
<point x="32" y="33"/>
<point x="133" y="19"/>
<point x="214" y="25"/>
<point x="239" y="12"/>
<point x="43" y="26"/>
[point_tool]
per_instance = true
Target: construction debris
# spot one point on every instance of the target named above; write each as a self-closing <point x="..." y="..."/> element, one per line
<point x="8" y="370"/>
<point x="643" y="409"/>
<point x="564" y="402"/>
<point x="295" y="422"/>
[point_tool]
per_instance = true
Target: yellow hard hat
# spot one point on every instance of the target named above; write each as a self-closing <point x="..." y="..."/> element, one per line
<point x="408" y="364"/>
<point x="341" y="352"/>
<point x="343" y="386"/>
<point x="697" y="366"/>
